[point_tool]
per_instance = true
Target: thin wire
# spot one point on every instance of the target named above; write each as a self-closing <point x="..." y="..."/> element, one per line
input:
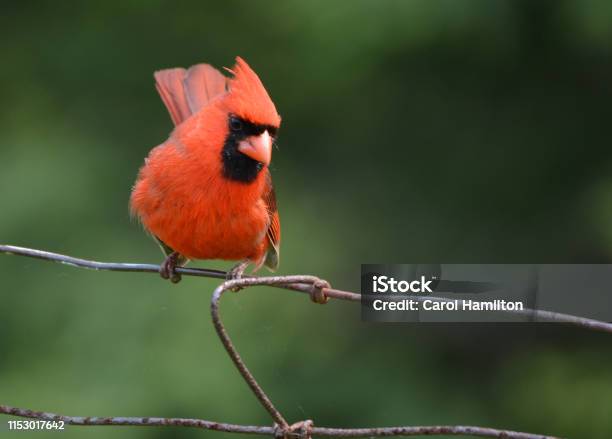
<point x="319" y="291"/>
<point x="229" y="345"/>
<point x="582" y="322"/>
<point x="269" y="431"/>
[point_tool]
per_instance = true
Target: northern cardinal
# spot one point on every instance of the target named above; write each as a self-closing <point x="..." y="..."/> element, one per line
<point x="206" y="192"/>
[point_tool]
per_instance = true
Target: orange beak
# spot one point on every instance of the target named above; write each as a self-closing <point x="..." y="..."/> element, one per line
<point x="257" y="147"/>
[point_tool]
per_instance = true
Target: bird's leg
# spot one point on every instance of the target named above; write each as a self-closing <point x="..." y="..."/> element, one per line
<point x="236" y="272"/>
<point x="167" y="269"/>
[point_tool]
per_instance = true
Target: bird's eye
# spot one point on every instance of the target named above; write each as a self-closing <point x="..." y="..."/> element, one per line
<point x="235" y="124"/>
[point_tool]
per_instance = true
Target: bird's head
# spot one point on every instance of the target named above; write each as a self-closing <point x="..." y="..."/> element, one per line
<point x="252" y="123"/>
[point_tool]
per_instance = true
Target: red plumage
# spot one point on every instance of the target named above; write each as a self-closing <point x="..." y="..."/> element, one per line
<point x="183" y="194"/>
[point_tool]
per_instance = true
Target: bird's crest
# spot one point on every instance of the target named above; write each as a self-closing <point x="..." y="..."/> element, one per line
<point x="248" y="98"/>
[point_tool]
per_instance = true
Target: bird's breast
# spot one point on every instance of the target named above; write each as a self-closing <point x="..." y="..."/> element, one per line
<point x="197" y="212"/>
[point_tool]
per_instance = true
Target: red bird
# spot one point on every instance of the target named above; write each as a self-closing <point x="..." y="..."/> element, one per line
<point x="206" y="192"/>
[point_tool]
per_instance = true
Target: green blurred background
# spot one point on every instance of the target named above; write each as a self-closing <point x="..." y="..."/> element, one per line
<point x="413" y="131"/>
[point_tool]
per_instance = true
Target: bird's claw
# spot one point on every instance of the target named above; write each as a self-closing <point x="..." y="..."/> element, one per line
<point x="236" y="273"/>
<point x="167" y="269"/>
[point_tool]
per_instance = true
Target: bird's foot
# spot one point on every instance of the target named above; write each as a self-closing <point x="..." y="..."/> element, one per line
<point x="167" y="269"/>
<point x="236" y="273"/>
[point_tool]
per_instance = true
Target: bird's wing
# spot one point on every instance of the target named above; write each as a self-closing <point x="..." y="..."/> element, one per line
<point x="185" y="92"/>
<point x="274" y="231"/>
